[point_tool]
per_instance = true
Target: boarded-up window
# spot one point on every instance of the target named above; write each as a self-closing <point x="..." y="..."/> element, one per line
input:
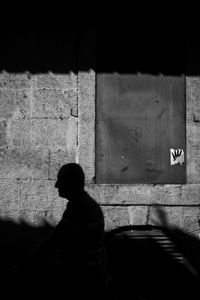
<point x="140" y="130"/>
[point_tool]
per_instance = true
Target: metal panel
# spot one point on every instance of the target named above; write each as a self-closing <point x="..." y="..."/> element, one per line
<point x="139" y="119"/>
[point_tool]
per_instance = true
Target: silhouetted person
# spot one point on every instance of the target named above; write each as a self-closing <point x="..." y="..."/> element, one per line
<point x="77" y="243"/>
<point x="80" y="233"/>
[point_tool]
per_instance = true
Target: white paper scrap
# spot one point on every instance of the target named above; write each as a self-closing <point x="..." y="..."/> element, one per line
<point x="176" y="156"/>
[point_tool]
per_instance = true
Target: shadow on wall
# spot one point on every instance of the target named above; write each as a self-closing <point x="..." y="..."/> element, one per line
<point x="137" y="263"/>
<point x="115" y="39"/>
<point x="17" y="239"/>
<point x="149" y="263"/>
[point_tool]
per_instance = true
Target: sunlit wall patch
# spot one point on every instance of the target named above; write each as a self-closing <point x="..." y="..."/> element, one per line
<point x="176" y="156"/>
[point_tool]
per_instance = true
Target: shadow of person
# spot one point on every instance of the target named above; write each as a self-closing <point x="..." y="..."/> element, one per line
<point x="75" y="249"/>
<point x="188" y="245"/>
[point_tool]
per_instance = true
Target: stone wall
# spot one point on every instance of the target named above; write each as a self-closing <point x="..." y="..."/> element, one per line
<point x="47" y="120"/>
<point x="38" y="133"/>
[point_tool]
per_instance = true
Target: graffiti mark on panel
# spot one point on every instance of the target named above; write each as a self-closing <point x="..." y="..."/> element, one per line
<point x="135" y="133"/>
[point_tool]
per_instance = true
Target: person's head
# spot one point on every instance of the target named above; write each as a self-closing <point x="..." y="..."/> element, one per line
<point x="70" y="180"/>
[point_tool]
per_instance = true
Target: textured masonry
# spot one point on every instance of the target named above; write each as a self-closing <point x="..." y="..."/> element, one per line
<point x="47" y="120"/>
<point x="38" y="133"/>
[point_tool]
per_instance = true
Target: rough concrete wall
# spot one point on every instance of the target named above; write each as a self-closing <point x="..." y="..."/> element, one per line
<point x="47" y="120"/>
<point x="38" y="133"/>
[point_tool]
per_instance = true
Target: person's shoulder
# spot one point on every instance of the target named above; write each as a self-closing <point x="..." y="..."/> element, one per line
<point x="89" y="200"/>
<point x="92" y="203"/>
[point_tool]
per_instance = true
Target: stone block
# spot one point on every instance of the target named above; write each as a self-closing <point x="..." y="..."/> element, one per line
<point x="136" y="194"/>
<point x="193" y="99"/>
<point x="15" y="81"/>
<point x="18" y="134"/>
<point x="49" y="103"/>
<point x="145" y="194"/>
<point x="124" y="216"/>
<point x="43" y="134"/>
<point x="38" y="194"/>
<point x="167" y="194"/>
<point x="27" y="217"/>
<point x="30" y="217"/>
<point x="115" y="217"/>
<point x="9" y="215"/>
<point x="138" y="215"/>
<point x="193" y="152"/>
<point x="185" y="217"/>
<point x="3" y="143"/>
<point x="14" y="103"/>
<point x="24" y="163"/>
<point x="54" y="134"/>
<point x="59" y="158"/>
<point x="9" y="195"/>
<point x="191" y="194"/>
<point x="55" y="81"/>
<point x="40" y="197"/>
<point x="86" y="130"/>
<point x="121" y="194"/>
<point x="193" y="129"/>
<point x="7" y="103"/>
